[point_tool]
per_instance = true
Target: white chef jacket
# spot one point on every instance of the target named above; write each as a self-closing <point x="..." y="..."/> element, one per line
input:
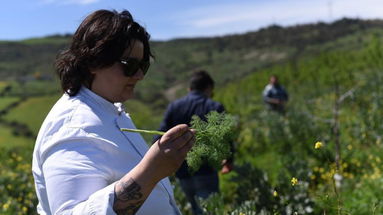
<point x="80" y="153"/>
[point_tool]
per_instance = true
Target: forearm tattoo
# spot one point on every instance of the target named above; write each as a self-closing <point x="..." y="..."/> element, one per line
<point x="128" y="198"/>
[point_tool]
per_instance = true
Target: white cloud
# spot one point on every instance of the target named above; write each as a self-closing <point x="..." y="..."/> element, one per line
<point x="224" y="18"/>
<point x="66" y="2"/>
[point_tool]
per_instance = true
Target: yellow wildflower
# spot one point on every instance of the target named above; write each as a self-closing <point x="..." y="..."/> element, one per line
<point x="358" y="164"/>
<point x="318" y="145"/>
<point x="294" y="181"/>
<point x="275" y="193"/>
<point x="9" y="186"/>
<point x="30" y="195"/>
<point x="5" y="206"/>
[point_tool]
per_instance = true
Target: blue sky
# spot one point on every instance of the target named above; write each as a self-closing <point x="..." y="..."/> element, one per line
<point x="168" y="19"/>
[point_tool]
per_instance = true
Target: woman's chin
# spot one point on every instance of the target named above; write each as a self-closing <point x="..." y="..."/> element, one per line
<point x="128" y="95"/>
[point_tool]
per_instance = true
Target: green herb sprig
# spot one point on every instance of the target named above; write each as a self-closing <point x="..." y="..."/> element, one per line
<point x="212" y="139"/>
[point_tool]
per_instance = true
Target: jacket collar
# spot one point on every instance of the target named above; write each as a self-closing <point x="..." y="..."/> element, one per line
<point x="116" y="108"/>
<point x="197" y="93"/>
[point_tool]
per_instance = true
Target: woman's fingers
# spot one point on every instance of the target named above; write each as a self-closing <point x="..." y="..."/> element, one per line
<point x="186" y="147"/>
<point x="177" y="137"/>
<point x="168" y="153"/>
<point x="175" y="132"/>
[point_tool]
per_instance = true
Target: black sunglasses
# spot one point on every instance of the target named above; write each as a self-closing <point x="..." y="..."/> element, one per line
<point x="132" y="65"/>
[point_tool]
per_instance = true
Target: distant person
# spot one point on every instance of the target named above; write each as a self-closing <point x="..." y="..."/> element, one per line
<point x="275" y="96"/>
<point x="198" y="102"/>
<point x="82" y="162"/>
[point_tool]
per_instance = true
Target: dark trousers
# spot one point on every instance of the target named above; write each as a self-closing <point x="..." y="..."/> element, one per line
<point x="199" y="186"/>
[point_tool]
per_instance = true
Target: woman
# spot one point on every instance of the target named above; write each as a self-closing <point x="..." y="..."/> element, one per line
<point x="82" y="162"/>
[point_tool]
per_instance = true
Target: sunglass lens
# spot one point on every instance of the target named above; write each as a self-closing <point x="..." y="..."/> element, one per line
<point x="132" y="65"/>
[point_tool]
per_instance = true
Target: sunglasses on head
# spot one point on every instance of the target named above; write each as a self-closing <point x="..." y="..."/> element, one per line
<point x="132" y="65"/>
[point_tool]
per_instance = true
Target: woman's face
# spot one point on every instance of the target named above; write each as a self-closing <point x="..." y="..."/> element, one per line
<point x="111" y="83"/>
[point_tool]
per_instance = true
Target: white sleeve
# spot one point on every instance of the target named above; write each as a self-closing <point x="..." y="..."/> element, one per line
<point x="76" y="176"/>
<point x="266" y="91"/>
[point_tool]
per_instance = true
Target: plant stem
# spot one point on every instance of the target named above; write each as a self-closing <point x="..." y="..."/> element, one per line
<point x="143" y="131"/>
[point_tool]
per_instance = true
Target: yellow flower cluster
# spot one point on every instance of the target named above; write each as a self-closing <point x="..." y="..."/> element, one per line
<point x="375" y="164"/>
<point x="15" y="171"/>
<point x="320" y="173"/>
<point x="356" y="162"/>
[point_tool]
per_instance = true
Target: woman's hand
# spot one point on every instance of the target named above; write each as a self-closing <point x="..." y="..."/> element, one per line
<point x="162" y="159"/>
<point x="167" y="154"/>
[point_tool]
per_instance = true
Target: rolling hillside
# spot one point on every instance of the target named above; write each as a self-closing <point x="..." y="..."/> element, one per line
<point x="333" y="73"/>
<point x="228" y="58"/>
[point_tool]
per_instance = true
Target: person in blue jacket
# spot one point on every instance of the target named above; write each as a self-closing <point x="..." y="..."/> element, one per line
<point x="275" y="96"/>
<point x="204" y="181"/>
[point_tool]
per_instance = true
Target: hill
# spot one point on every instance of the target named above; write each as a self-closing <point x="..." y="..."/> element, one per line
<point x="228" y="58"/>
<point x="333" y="73"/>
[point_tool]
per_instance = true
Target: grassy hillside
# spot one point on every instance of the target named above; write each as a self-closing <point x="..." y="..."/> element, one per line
<point x="228" y="58"/>
<point x="32" y="111"/>
<point x="335" y="99"/>
<point x="320" y="65"/>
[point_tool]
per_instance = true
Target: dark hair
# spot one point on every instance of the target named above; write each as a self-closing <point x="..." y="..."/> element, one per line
<point x="98" y="42"/>
<point x="274" y="76"/>
<point x="201" y="80"/>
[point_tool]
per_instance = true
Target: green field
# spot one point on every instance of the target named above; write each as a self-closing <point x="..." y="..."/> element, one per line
<point x="33" y="111"/>
<point x="6" y="101"/>
<point x="9" y="140"/>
